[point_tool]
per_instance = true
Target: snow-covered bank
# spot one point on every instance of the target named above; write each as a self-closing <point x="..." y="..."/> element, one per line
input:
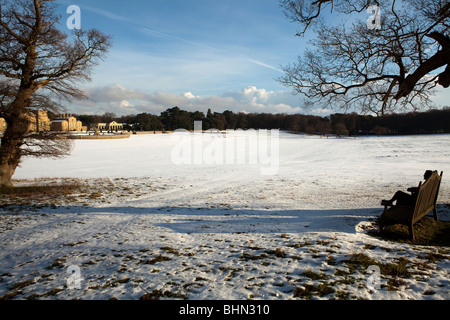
<point x="224" y="231"/>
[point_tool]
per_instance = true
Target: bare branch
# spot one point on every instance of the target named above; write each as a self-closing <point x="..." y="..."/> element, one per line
<point x="389" y="68"/>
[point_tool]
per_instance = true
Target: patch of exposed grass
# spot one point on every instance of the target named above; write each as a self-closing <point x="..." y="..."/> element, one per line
<point x="116" y="282"/>
<point x="232" y="272"/>
<point x="342" y="295"/>
<point x="395" y="271"/>
<point x="341" y="273"/>
<point x="359" y="260"/>
<point x="40" y="190"/>
<point x="10" y="295"/>
<point x="59" y="263"/>
<point x="38" y="193"/>
<point x="73" y="244"/>
<point x="315" y="276"/>
<point x="308" y="291"/>
<point x="156" y="294"/>
<point x="247" y="256"/>
<point x="52" y="292"/>
<point x="300" y="244"/>
<point x="433" y="257"/>
<point x="428" y="232"/>
<point x="171" y="250"/>
<point x="96" y="195"/>
<point x="22" y="284"/>
<point x="279" y="253"/>
<point x="158" y="258"/>
<point x="331" y="260"/>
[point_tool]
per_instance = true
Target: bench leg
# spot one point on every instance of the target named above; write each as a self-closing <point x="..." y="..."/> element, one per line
<point x="411" y="232"/>
<point x="435" y="214"/>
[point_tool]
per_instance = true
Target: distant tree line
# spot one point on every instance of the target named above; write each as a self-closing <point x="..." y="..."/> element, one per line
<point x="429" y="122"/>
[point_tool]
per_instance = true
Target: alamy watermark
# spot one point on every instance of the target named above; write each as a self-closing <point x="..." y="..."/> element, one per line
<point x="373" y="281"/>
<point x="374" y="21"/>
<point x="74" y="279"/>
<point x="74" y="20"/>
<point x="231" y="147"/>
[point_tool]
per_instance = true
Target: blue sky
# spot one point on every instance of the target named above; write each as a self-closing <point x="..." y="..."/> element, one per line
<point x="195" y="54"/>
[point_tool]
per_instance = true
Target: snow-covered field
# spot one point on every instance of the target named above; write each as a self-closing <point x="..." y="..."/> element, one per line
<point x="211" y="230"/>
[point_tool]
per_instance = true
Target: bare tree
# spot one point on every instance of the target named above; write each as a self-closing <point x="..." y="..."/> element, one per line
<point x="40" y="67"/>
<point x="395" y="66"/>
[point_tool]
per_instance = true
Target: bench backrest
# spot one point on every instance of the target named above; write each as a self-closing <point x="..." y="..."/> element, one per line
<point x="427" y="196"/>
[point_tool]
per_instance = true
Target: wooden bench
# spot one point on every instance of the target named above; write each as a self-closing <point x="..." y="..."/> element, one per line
<point x="426" y="200"/>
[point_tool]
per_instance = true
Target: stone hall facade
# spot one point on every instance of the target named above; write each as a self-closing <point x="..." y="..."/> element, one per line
<point x="40" y="122"/>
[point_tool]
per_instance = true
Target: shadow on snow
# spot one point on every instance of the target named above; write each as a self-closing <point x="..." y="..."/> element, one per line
<point x="190" y="220"/>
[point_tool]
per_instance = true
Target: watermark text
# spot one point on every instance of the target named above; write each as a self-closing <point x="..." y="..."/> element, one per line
<point x="74" y="20"/>
<point x="230" y="147"/>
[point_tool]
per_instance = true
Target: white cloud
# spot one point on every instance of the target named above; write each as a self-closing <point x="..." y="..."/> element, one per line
<point x="114" y="92"/>
<point x="189" y="95"/>
<point x="121" y="100"/>
<point x="256" y="94"/>
<point x="125" y="104"/>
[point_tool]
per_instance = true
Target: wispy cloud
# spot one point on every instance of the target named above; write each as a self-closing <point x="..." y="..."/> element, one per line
<point x="265" y="65"/>
<point x="107" y="14"/>
<point x="210" y="48"/>
<point x="166" y="35"/>
<point x="102" y="12"/>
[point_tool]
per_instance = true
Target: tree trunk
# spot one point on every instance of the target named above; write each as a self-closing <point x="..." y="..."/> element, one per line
<point x="6" y="173"/>
<point x="13" y="139"/>
<point x="9" y="158"/>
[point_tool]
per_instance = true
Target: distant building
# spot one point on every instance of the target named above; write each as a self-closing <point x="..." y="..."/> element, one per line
<point x="66" y="122"/>
<point x="112" y="126"/>
<point x="59" y="125"/>
<point x="2" y="125"/>
<point x="99" y="126"/>
<point x="39" y="121"/>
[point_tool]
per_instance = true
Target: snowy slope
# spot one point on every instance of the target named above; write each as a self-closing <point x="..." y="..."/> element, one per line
<point x="223" y="231"/>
